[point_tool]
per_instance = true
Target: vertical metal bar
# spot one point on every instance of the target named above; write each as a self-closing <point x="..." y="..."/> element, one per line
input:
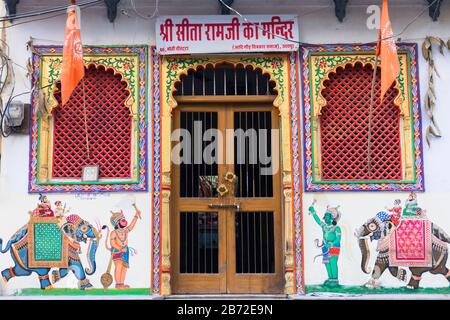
<point x="252" y="114"/>
<point x="241" y="182"/>
<point x="208" y="166"/>
<point x="193" y="81"/>
<point x="257" y="82"/>
<point x="267" y="86"/>
<point x="247" y="148"/>
<point x="260" y="126"/>
<point x="254" y="214"/>
<point x="266" y="177"/>
<point x="214" y="80"/>
<point x="204" y="81"/>
<point x="261" y="268"/>
<point x="202" y="168"/>
<point x="193" y="155"/>
<point x="198" y="215"/>
<point x="185" y="166"/>
<point x="205" y="217"/>
<point x="248" y="241"/>
<point x="186" y="220"/>
<point x="267" y="241"/>
<point x="235" y="80"/>
<point x="192" y="241"/>
<point x="210" y="221"/>
<point x="269" y="151"/>
<point x="241" y="227"/>
<point x="224" y="81"/>
<point x="182" y="86"/>
<point x="246" y="81"/>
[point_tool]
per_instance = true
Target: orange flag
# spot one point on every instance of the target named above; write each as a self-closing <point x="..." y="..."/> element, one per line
<point x="72" y="65"/>
<point x="387" y="51"/>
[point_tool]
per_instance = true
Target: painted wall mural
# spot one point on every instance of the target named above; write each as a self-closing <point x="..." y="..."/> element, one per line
<point x="400" y="241"/>
<point x="118" y="245"/>
<point x="48" y="241"/>
<point x="407" y="241"/>
<point x="58" y="243"/>
<point x="331" y="242"/>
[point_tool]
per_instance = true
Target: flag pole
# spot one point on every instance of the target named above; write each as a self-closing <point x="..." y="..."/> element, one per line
<point x="74" y="2"/>
<point x="372" y="100"/>
<point x="85" y="119"/>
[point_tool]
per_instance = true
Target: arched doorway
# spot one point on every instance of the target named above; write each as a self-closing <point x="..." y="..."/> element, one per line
<point x="226" y="218"/>
<point x="167" y="71"/>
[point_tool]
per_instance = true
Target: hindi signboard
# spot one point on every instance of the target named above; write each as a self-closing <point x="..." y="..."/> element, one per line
<point x="226" y="34"/>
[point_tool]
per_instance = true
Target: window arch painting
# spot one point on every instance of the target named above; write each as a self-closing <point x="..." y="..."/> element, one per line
<point x="347" y="147"/>
<point x="104" y="124"/>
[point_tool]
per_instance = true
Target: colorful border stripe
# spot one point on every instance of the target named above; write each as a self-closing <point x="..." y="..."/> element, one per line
<point x="296" y="172"/>
<point x="305" y="69"/>
<point x="141" y="185"/>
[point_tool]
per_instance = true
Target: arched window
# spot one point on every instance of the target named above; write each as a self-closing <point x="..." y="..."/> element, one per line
<point x="344" y="126"/>
<point x="103" y="112"/>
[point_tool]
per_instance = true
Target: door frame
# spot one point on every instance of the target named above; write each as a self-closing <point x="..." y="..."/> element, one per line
<point x="283" y="70"/>
<point x="227" y="280"/>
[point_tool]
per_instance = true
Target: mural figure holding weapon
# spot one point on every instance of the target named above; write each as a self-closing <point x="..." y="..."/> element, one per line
<point x="331" y="243"/>
<point x="120" y="252"/>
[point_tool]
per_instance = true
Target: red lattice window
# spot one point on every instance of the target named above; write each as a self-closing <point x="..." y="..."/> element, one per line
<point x="109" y="128"/>
<point x="344" y="128"/>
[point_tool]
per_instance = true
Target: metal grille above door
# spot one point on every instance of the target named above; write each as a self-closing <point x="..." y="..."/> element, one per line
<point x="225" y="80"/>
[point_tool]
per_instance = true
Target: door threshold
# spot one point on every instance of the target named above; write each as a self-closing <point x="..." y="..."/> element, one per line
<point x="227" y="296"/>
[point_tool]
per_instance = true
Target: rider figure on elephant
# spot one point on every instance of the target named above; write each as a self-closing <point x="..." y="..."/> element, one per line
<point x="44" y="208"/>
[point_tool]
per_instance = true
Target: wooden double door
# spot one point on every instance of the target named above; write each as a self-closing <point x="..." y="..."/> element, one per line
<point x="226" y="211"/>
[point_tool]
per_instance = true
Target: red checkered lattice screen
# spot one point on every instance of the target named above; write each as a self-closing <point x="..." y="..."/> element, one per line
<point x="109" y="128"/>
<point x="344" y="128"/>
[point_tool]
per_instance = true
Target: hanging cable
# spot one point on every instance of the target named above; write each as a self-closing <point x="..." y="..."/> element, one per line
<point x="367" y="43"/>
<point x="154" y="14"/>
<point x="46" y="18"/>
<point x="47" y="11"/>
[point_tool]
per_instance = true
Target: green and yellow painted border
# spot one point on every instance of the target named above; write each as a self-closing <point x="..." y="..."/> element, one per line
<point x="317" y="61"/>
<point x="131" y="63"/>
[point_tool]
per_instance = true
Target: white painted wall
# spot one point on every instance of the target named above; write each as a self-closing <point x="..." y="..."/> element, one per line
<point x="317" y="25"/>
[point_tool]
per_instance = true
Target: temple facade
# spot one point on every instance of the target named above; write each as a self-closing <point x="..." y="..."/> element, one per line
<point x="182" y="166"/>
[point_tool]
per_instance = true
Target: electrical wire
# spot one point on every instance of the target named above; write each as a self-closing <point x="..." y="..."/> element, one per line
<point x="154" y="14"/>
<point x="9" y="75"/>
<point x="45" y="18"/>
<point x="51" y="10"/>
<point x="367" y="43"/>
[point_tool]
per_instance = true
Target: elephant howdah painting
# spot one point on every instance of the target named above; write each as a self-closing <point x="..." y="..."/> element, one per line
<point x="406" y="239"/>
<point x="52" y="240"/>
<point x="51" y="243"/>
<point x="407" y="245"/>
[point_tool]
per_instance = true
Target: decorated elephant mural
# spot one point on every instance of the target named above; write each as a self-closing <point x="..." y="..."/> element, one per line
<point x="50" y="241"/>
<point x="406" y="239"/>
